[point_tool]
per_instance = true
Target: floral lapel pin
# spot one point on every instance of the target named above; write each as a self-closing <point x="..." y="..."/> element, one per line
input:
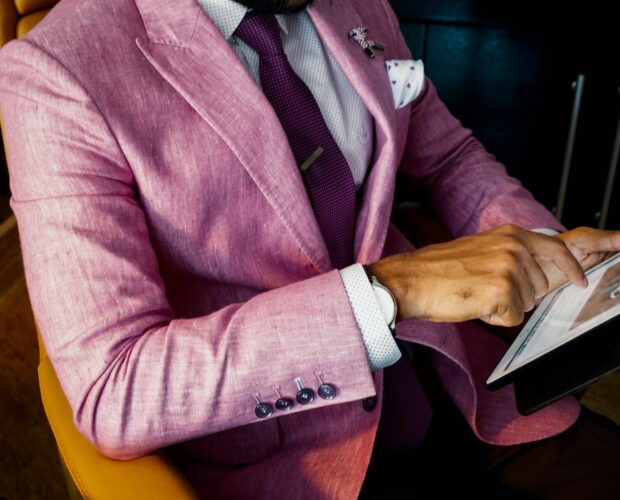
<point x="359" y="35"/>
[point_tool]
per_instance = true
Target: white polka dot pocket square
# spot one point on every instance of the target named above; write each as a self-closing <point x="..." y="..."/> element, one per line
<point x="406" y="79"/>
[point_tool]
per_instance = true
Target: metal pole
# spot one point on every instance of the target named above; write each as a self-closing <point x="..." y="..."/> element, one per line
<point x="611" y="175"/>
<point x="570" y="144"/>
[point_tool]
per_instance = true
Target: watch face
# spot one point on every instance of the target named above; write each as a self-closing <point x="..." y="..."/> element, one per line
<point x="386" y="303"/>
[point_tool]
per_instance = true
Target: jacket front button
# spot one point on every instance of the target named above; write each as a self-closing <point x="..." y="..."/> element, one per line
<point x="263" y="410"/>
<point x="369" y="403"/>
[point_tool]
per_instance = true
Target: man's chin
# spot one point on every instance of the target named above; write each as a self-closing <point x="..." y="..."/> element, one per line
<point x="276" y="6"/>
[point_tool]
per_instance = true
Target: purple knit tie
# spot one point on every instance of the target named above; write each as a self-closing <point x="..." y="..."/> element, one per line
<point x="406" y="411"/>
<point x="328" y="179"/>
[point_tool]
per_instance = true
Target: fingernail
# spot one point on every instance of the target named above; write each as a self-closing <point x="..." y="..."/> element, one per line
<point x="584" y="282"/>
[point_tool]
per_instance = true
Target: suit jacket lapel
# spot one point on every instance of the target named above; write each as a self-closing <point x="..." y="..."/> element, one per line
<point x="333" y="21"/>
<point x="186" y="48"/>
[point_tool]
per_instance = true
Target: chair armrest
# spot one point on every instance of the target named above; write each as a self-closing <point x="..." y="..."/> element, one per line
<point x="94" y="475"/>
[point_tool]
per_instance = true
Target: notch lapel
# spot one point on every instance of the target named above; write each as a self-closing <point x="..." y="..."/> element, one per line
<point x="333" y="21"/>
<point x="188" y="50"/>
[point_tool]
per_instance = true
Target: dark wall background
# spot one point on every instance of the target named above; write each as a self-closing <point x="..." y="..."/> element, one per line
<point x="506" y="68"/>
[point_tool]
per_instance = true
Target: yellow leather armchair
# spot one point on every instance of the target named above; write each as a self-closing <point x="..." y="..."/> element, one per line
<point x="88" y="473"/>
<point x="91" y="475"/>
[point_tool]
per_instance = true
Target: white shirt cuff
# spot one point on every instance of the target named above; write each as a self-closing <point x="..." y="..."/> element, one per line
<point x="380" y="344"/>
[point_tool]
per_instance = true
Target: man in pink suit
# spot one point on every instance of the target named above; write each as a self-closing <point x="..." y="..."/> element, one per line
<point x="180" y="276"/>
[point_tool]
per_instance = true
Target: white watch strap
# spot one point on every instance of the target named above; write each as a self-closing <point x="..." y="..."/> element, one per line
<point x="545" y="230"/>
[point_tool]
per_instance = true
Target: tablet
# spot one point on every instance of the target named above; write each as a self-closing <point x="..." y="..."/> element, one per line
<point x="562" y="317"/>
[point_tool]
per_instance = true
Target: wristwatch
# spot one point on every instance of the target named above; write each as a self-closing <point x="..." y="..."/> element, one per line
<point x="385" y="298"/>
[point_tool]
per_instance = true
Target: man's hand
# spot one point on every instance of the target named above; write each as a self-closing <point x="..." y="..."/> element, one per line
<point x="589" y="246"/>
<point x="495" y="276"/>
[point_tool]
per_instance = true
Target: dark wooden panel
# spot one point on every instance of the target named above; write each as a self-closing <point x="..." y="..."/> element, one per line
<point x="450" y="11"/>
<point x="415" y="34"/>
<point x="505" y="69"/>
<point x="484" y="12"/>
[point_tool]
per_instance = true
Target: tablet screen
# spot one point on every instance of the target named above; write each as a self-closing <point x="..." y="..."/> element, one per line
<point x="564" y="315"/>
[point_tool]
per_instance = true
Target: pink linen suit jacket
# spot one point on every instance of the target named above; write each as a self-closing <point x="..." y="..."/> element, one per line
<point x="174" y="263"/>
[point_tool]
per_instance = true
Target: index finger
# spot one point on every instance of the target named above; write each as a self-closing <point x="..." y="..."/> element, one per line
<point x="554" y="249"/>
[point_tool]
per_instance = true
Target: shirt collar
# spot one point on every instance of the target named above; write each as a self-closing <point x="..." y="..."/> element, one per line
<point x="228" y="14"/>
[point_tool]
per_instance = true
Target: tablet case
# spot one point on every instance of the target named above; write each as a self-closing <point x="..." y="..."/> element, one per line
<point x="566" y="369"/>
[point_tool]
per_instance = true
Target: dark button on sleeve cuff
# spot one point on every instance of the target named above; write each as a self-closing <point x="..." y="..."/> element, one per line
<point x="284" y="404"/>
<point x="327" y="391"/>
<point x="369" y="403"/>
<point x="305" y="396"/>
<point x="263" y="410"/>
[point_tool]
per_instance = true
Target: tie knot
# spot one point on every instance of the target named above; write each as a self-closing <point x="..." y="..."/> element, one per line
<point x="262" y="33"/>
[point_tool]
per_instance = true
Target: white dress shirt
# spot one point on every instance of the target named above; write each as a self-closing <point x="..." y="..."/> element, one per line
<point x="350" y="124"/>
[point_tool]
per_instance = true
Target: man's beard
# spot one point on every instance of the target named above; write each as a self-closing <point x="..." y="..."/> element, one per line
<point x="276" y="6"/>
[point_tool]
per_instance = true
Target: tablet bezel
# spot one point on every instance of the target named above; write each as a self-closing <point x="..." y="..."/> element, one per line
<point x="500" y="377"/>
